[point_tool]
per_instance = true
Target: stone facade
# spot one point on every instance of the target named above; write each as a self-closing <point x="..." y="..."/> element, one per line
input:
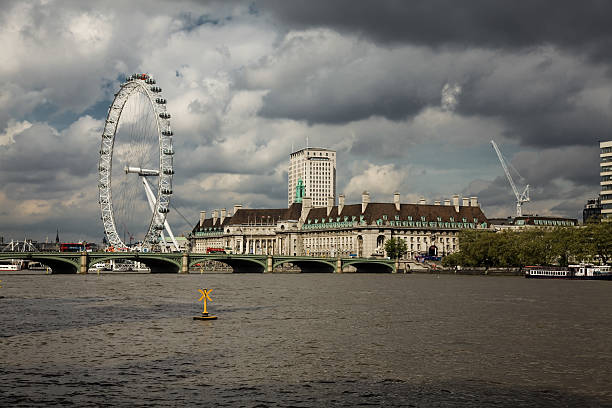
<point x="340" y="230"/>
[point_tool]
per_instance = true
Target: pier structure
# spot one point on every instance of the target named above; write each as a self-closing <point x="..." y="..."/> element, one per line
<point x="181" y="262"/>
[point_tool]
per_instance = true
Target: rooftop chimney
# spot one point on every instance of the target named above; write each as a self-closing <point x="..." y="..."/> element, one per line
<point x="437" y="202"/>
<point x="340" y="203"/>
<point x="215" y="216"/>
<point x="473" y="201"/>
<point x="447" y="202"/>
<point x="465" y="202"/>
<point x="237" y="207"/>
<point x="396" y="200"/>
<point x="306" y="206"/>
<point x="223" y="214"/>
<point x="202" y="218"/>
<point x="330" y="205"/>
<point x="365" y="199"/>
<point x="456" y="202"/>
<point x="422" y="200"/>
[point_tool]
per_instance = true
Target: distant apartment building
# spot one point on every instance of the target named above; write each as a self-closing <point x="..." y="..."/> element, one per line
<point x="312" y="173"/>
<point x="605" y="172"/>
<point x="592" y="211"/>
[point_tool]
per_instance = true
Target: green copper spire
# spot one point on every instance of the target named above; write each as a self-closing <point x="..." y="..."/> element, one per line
<point x="299" y="191"/>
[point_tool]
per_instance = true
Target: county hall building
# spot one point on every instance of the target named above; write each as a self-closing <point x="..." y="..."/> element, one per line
<point x="340" y="230"/>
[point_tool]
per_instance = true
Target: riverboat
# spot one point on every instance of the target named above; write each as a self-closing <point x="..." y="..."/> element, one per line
<point x="578" y="272"/>
<point x="10" y="267"/>
<point x="122" y="267"/>
<point x="14" y="265"/>
<point x="99" y="266"/>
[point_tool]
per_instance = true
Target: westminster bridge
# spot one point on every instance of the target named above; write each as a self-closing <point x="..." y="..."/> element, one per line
<point x="181" y="262"/>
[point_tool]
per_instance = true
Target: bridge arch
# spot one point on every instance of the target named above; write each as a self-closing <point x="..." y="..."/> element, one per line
<point x="160" y="264"/>
<point x="308" y="265"/>
<point x="370" y="266"/>
<point x="238" y="264"/>
<point x="58" y="264"/>
<point x="157" y="264"/>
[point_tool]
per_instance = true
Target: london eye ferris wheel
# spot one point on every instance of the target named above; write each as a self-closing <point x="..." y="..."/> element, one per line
<point x="135" y="168"/>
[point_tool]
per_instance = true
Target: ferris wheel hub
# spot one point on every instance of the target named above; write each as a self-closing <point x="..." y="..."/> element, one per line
<point x="141" y="172"/>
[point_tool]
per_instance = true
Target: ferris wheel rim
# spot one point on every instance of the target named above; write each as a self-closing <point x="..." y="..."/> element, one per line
<point x="146" y="85"/>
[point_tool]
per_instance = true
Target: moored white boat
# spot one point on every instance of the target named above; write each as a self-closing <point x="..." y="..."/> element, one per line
<point x="579" y="272"/>
<point x="10" y="267"/>
<point x="122" y="267"/>
<point x="99" y="266"/>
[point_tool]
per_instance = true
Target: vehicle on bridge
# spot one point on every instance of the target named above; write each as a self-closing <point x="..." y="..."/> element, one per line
<point x="75" y="247"/>
<point x="226" y="250"/>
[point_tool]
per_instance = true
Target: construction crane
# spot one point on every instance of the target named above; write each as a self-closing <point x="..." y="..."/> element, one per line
<point x="520" y="197"/>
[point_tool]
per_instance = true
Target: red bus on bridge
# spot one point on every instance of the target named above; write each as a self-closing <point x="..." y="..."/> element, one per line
<point x="75" y="247"/>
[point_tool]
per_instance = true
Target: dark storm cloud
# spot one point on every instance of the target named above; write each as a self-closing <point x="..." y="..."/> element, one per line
<point x="584" y="25"/>
<point x="580" y="165"/>
<point x="543" y="96"/>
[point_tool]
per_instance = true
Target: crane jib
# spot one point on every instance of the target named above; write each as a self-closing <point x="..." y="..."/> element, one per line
<point x="520" y="197"/>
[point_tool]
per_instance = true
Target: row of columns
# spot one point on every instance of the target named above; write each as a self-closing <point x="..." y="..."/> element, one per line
<point x="257" y="246"/>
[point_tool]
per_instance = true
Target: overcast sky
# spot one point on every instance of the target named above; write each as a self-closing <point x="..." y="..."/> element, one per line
<point x="409" y="93"/>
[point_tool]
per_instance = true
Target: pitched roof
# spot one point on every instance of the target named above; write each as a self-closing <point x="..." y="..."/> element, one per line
<point x="373" y="212"/>
<point x="376" y="211"/>
<point x="254" y="216"/>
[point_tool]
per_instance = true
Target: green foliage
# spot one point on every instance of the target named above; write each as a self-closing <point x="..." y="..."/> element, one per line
<point x="396" y="248"/>
<point x="534" y="246"/>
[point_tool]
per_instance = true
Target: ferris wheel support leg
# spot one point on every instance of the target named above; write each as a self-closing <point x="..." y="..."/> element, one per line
<point x="176" y="247"/>
<point x="150" y="197"/>
<point x="163" y="238"/>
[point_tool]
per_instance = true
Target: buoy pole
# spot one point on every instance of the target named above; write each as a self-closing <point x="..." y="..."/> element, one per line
<point x="205" y="297"/>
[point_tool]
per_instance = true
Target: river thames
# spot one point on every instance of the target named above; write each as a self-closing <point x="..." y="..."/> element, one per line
<point x="304" y="340"/>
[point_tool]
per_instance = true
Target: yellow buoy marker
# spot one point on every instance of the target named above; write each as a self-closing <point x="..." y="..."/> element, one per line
<point x="205" y="316"/>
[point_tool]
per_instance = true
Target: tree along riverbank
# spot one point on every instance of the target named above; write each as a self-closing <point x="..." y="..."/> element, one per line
<point x="507" y="249"/>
